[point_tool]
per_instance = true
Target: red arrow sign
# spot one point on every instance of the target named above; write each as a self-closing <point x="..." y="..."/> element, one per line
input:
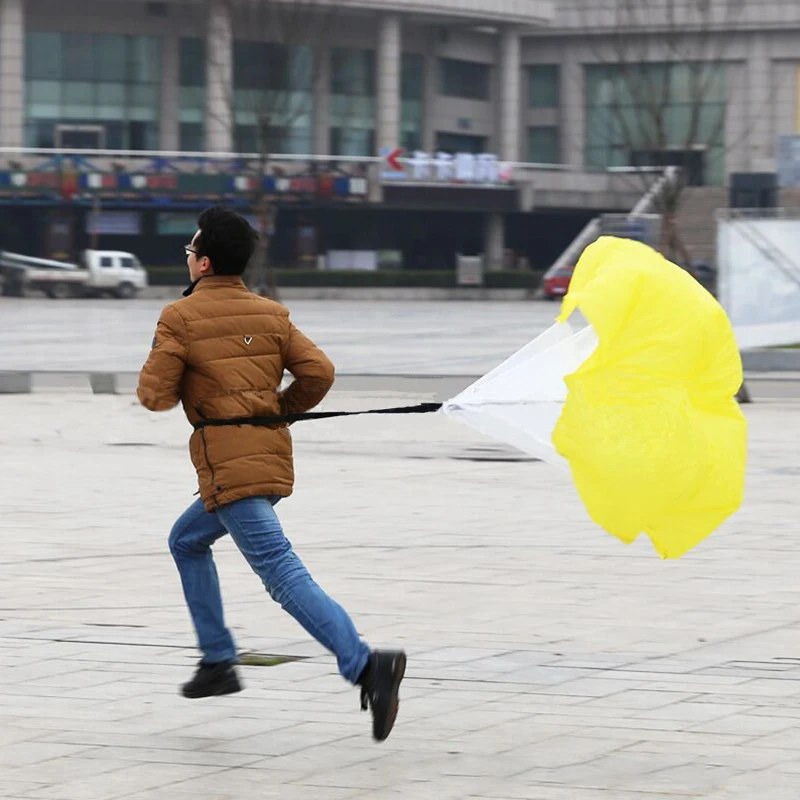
<point x="392" y="157"/>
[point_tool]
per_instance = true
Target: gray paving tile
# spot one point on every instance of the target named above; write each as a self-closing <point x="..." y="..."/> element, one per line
<point x="548" y="661"/>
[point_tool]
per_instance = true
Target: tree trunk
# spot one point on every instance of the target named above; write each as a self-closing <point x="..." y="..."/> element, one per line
<point x="671" y="243"/>
<point x="262" y="276"/>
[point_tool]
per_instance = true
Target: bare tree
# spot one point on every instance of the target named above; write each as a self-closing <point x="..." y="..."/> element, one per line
<point x="268" y="99"/>
<point x="660" y="95"/>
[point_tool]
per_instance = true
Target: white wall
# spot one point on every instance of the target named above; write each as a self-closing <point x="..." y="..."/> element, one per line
<point x="759" y="290"/>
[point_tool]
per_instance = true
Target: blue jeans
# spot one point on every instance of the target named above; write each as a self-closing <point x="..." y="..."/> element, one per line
<point x="254" y="526"/>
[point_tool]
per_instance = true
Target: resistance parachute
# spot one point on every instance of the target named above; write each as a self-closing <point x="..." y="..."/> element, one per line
<point x="638" y="404"/>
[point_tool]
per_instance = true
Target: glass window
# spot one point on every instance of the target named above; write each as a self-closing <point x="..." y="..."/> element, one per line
<point x="352" y="72"/>
<point x="78" y="100"/>
<point x="192" y="137"/>
<point x="272" y="85"/>
<point x="192" y="60"/>
<point x="144" y="135"/>
<point x="40" y="133"/>
<point x="245" y="139"/>
<point x="279" y="139"/>
<point x="352" y="112"/>
<point x="410" y="139"/>
<point x="143" y="96"/>
<point x="116" y="135"/>
<point x="192" y="98"/>
<point x="249" y="64"/>
<point x="78" y="55"/>
<point x="106" y="261"/>
<point x="99" y="79"/>
<point x="352" y="141"/>
<point x="44" y="98"/>
<point x="289" y="68"/>
<point x="544" y="86"/>
<point x="145" y="59"/>
<point x="110" y="58"/>
<point x="460" y="143"/>
<point x="656" y="113"/>
<point x="412" y="91"/>
<point x="264" y="65"/>
<point x="43" y="57"/>
<point x="544" y="146"/>
<point x="412" y="76"/>
<point x="127" y="262"/>
<point x="356" y="116"/>
<point x="296" y="140"/>
<point x="192" y="94"/>
<point x="711" y="124"/>
<point x="111" y="100"/>
<point x="467" y="79"/>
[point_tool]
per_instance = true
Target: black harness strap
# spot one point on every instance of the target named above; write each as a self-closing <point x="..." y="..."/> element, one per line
<point x="421" y="408"/>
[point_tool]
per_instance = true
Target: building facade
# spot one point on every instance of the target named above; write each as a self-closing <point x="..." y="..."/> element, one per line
<point x="521" y="78"/>
<point x="573" y="89"/>
<point x="724" y="75"/>
<point x="168" y="76"/>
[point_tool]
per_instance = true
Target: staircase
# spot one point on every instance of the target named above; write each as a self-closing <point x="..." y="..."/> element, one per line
<point x="697" y="218"/>
<point x="594" y="227"/>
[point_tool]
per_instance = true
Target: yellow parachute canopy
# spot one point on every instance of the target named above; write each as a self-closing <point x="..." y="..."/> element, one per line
<point x="654" y="438"/>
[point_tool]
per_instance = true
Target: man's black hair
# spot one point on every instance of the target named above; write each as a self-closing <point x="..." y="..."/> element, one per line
<point x="227" y="239"/>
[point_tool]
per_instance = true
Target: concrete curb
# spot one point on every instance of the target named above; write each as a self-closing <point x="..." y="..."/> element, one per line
<point x="765" y="360"/>
<point x="438" y="386"/>
<point x="15" y="382"/>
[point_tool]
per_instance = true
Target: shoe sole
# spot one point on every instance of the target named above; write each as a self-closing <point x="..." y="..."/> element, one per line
<point x="394" y="703"/>
<point x="229" y="688"/>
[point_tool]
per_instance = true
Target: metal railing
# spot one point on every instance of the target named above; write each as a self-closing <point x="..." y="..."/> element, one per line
<point x="213" y="162"/>
<point x="643" y="207"/>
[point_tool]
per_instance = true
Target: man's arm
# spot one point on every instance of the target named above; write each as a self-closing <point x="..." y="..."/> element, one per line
<point x="160" y="378"/>
<point x="312" y="370"/>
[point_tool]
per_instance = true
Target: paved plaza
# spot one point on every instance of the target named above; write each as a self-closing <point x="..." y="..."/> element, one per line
<point x="547" y="660"/>
<point x="366" y="338"/>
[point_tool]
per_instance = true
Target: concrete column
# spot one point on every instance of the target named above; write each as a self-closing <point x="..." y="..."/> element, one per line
<point x="493" y="242"/>
<point x="573" y="115"/>
<point x="219" y="75"/>
<point x="761" y="104"/>
<point x="388" y="83"/>
<point x="509" y="112"/>
<point x="12" y="73"/>
<point x="322" y="100"/>
<point x="170" y="93"/>
<point x="737" y="118"/>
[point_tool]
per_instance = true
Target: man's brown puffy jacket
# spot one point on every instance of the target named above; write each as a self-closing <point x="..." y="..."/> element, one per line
<point x="221" y="351"/>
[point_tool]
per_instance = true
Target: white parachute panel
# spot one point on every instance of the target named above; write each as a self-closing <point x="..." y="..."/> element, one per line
<point x="520" y="401"/>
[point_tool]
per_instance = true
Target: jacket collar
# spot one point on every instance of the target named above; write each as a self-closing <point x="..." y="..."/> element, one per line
<point x="213" y="282"/>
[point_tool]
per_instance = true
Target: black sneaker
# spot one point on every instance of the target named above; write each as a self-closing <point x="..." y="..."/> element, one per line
<point x="379" y="690"/>
<point x="212" y="680"/>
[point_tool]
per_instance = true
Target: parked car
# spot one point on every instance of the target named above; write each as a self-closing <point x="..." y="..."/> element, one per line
<point x="98" y="272"/>
<point x="557" y="284"/>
